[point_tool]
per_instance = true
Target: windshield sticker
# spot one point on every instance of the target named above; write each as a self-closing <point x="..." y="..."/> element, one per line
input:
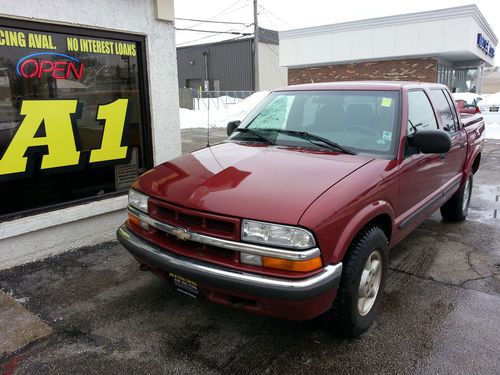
<point x="386" y="102"/>
<point x="386" y="136"/>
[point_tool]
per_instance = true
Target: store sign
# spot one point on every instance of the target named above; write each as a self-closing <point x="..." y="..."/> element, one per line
<point x="60" y="138"/>
<point x="60" y="66"/>
<point x="484" y="45"/>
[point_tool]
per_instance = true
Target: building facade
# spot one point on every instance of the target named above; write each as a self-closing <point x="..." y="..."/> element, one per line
<point x="89" y="100"/>
<point x="445" y="46"/>
<point x="229" y="65"/>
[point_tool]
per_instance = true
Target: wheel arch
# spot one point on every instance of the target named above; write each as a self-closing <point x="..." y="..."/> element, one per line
<point x="379" y="213"/>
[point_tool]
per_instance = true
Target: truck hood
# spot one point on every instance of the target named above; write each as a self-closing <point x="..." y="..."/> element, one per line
<point x="268" y="183"/>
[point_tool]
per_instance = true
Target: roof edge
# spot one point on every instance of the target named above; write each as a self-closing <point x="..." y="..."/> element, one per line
<point x="455" y="12"/>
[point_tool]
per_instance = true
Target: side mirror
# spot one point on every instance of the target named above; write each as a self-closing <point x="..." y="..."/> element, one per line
<point x="431" y="141"/>
<point x="231" y="126"/>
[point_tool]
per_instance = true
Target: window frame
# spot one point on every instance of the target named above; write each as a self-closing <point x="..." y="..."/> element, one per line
<point x="407" y="150"/>
<point x="143" y="84"/>
<point x="453" y="108"/>
<point x="456" y="123"/>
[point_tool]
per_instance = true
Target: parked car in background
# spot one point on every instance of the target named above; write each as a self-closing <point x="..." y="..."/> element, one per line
<point x="293" y="216"/>
<point x="467" y="102"/>
<point x="490" y="108"/>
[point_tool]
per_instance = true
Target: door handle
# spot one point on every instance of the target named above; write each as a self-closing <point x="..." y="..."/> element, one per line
<point x="462" y="144"/>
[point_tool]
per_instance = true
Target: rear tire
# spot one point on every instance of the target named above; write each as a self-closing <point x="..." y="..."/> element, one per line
<point x="457" y="207"/>
<point x="364" y="274"/>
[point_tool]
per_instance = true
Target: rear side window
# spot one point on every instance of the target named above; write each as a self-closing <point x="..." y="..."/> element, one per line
<point x="453" y="109"/>
<point x="444" y="110"/>
<point x="420" y="113"/>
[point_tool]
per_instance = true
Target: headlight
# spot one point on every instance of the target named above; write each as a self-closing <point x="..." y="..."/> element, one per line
<point x="277" y="235"/>
<point x="138" y="200"/>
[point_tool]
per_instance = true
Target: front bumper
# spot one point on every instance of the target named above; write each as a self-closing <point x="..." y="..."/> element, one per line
<point x="228" y="279"/>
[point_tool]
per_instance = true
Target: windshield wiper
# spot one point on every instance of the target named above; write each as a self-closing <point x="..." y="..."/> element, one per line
<point x="312" y="137"/>
<point x="247" y="130"/>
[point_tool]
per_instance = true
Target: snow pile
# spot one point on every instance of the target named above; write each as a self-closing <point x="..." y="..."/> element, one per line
<point x="491" y="100"/>
<point x="492" y="130"/>
<point x="219" y="115"/>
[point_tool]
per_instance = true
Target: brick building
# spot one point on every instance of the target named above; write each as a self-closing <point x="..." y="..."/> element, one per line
<point x="443" y="46"/>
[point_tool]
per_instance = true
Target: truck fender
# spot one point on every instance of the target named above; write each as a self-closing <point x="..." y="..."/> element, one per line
<point x="360" y="220"/>
<point x="470" y="163"/>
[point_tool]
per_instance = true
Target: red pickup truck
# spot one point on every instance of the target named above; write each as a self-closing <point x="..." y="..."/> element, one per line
<point x="293" y="216"/>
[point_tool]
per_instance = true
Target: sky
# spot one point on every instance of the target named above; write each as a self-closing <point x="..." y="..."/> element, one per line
<point x="291" y="14"/>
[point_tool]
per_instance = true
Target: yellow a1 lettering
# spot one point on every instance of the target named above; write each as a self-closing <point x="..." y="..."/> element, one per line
<point x="114" y="116"/>
<point x="59" y="138"/>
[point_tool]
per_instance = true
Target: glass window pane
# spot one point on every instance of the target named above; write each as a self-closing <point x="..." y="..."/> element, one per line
<point x="99" y="79"/>
<point x="364" y="121"/>
<point x="420" y="113"/>
<point x="443" y="108"/>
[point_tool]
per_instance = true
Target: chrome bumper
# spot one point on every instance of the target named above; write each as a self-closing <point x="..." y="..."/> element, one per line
<point x="229" y="279"/>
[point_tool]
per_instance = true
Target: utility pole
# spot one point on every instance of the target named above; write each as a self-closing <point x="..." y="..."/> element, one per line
<point x="255" y="46"/>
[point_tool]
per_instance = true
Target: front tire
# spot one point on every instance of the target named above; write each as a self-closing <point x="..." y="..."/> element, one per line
<point x="364" y="275"/>
<point x="457" y="207"/>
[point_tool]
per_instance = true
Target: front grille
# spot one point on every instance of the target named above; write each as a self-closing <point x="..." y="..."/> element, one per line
<point x="197" y="221"/>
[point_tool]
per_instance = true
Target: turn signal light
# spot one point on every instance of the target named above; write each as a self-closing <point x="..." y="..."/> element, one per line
<point x="282" y="264"/>
<point x="292" y="265"/>
<point x="135" y="220"/>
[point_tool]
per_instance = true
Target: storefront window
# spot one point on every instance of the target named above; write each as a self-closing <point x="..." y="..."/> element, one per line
<point x="73" y="116"/>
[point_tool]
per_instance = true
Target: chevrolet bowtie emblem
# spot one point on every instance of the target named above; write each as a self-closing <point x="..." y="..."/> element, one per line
<point x="181" y="234"/>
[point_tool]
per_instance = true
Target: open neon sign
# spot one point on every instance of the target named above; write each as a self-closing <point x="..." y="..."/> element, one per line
<point x="33" y="65"/>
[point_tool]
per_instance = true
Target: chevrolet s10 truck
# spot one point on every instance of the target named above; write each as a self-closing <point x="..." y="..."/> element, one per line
<point x="294" y="214"/>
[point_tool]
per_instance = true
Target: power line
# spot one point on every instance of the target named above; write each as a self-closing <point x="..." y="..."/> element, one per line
<point x="214" y="31"/>
<point x="274" y="15"/>
<point x="226" y="11"/>
<point x="220" y="13"/>
<point x="206" y="37"/>
<point x="210" y="21"/>
<point x="196" y="40"/>
<point x="211" y="36"/>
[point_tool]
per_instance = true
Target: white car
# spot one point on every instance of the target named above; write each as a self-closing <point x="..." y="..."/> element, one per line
<point x="490" y="108"/>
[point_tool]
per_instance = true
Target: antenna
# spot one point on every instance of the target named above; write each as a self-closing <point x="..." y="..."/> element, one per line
<point x="206" y="86"/>
<point x="208" y="121"/>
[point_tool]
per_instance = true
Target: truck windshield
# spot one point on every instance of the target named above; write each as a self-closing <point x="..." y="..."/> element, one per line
<point x="359" y="121"/>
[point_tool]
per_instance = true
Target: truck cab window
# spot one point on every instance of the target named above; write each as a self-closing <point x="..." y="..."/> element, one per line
<point x="448" y="119"/>
<point x="453" y="109"/>
<point x="420" y="113"/>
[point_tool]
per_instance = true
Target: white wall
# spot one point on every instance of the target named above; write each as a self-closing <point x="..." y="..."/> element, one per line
<point x="46" y="234"/>
<point x="271" y="75"/>
<point x="449" y="33"/>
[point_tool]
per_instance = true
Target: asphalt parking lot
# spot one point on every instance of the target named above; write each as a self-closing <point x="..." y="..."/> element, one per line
<point x="100" y="314"/>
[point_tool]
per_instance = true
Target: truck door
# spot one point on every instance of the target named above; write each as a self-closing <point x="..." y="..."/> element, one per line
<point x="452" y="163"/>
<point x="420" y="178"/>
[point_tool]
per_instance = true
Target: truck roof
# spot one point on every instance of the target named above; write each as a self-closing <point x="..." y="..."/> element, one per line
<point x="360" y="85"/>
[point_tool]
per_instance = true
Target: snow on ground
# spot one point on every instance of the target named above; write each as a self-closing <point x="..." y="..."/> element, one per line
<point x="492" y="130"/>
<point x="220" y="115"/>
<point x="492" y="122"/>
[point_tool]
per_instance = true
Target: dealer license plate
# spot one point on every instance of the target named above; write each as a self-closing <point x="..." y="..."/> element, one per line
<point x="493" y="109"/>
<point x="184" y="285"/>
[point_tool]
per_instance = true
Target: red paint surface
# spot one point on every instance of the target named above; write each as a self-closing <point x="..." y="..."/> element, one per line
<point x="332" y="194"/>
